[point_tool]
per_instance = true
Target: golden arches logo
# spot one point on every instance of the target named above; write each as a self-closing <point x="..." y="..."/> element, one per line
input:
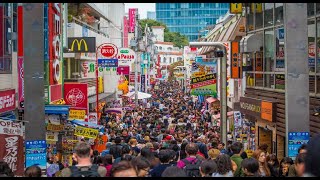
<point x="79" y="44"/>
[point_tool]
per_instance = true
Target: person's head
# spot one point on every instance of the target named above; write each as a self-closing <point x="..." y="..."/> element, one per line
<point x="123" y="169"/>
<point x="213" y="153"/>
<point x="173" y="171"/>
<point x="192" y="149"/>
<point x="32" y="171"/>
<point x="126" y="149"/>
<point x="264" y="147"/>
<point x="147" y="153"/>
<point x="302" y="149"/>
<point x="208" y="167"/>
<point x="82" y="151"/>
<point x="117" y="140"/>
<point x="236" y="147"/>
<point x="142" y="166"/>
<point x="312" y="164"/>
<point x="5" y="170"/>
<point x="285" y="163"/>
<point x="164" y="156"/>
<point x="272" y="160"/>
<point x="221" y="146"/>
<point x="260" y="155"/>
<point x="299" y="164"/>
<point x="107" y="159"/>
<point x="108" y="145"/>
<point x="224" y="163"/>
<point x="133" y="142"/>
<point x="250" y="166"/>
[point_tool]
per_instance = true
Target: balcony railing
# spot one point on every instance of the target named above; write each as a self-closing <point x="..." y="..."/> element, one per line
<point x="81" y="23"/>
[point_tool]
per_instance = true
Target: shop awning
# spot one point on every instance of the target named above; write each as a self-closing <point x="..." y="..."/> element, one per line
<point x="251" y="43"/>
<point x="9" y="116"/>
<point x="93" y="99"/>
<point x="57" y="109"/>
<point x="230" y="113"/>
<point x="211" y="100"/>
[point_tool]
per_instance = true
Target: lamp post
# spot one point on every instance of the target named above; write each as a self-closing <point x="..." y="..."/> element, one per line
<point x="223" y="85"/>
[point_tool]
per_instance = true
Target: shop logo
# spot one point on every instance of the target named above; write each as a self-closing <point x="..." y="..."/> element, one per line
<point x="75" y="97"/>
<point x="79" y="44"/>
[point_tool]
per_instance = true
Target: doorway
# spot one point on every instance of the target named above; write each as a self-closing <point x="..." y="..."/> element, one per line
<point x="265" y="137"/>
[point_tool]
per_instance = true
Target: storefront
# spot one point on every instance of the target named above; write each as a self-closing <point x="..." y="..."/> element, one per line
<point x="260" y="114"/>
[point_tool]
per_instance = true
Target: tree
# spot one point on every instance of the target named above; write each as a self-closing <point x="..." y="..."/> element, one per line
<point x="176" y="38"/>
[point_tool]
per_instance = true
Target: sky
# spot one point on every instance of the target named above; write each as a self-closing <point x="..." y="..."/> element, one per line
<point x="142" y="8"/>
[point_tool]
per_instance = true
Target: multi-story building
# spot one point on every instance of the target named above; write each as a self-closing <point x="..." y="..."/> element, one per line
<point x="151" y="15"/>
<point x="190" y="18"/>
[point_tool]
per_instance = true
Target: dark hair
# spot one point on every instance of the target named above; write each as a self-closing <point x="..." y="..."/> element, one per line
<point x="236" y="147"/>
<point x="97" y="160"/>
<point x="273" y="157"/>
<point x="224" y="163"/>
<point x="140" y="163"/>
<point x="117" y="140"/>
<point x="125" y="149"/>
<point x="173" y="171"/>
<point x="122" y="166"/>
<point x="32" y="171"/>
<point x="301" y="158"/>
<point x="5" y="169"/>
<point x="312" y="164"/>
<point x="107" y="159"/>
<point x="285" y="160"/>
<point x="208" y="167"/>
<point x="192" y="149"/>
<point x="164" y="156"/>
<point x="147" y="153"/>
<point x="82" y="150"/>
<point x="251" y="164"/>
<point x="244" y="155"/>
<point x="303" y="146"/>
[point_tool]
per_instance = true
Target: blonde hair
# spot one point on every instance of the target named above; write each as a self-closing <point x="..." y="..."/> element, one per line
<point x="213" y="153"/>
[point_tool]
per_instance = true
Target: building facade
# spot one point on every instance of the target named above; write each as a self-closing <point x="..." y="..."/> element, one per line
<point x="151" y="15"/>
<point x="190" y="18"/>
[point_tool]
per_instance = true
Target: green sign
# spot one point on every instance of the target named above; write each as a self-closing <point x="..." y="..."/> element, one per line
<point x="124" y="51"/>
<point x="205" y="90"/>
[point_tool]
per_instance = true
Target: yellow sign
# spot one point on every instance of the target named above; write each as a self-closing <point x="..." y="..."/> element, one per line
<point x="77" y="114"/>
<point x="257" y="7"/>
<point x="235" y="8"/>
<point x="52" y="127"/>
<point x="79" y="44"/>
<point x="86" y="132"/>
<point x="198" y="74"/>
<point x="100" y="87"/>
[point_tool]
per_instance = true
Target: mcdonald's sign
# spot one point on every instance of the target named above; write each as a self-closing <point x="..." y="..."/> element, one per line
<point x="81" y="45"/>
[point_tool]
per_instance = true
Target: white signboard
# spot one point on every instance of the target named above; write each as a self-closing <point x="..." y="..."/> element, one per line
<point x="11" y="128"/>
<point x="126" y="57"/>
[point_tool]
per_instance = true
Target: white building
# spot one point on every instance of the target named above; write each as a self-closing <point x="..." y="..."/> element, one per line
<point x="158" y="32"/>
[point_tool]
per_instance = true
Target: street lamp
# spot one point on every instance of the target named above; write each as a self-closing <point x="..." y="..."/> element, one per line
<point x="223" y="84"/>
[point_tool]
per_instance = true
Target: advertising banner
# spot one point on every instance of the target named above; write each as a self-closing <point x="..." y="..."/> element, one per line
<point x="86" y="132"/>
<point x="7" y="100"/>
<point x="132" y="19"/>
<point x="93" y="118"/>
<point x="20" y="83"/>
<point x="296" y="139"/>
<point x="125" y="31"/>
<point x="52" y="136"/>
<point x="53" y="127"/>
<point x="68" y="144"/>
<point x="11" y="139"/>
<point x="36" y="153"/>
<point x="76" y="95"/>
<point x="77" y="114"/>
<point x="143" y="79"/>
<point x="82" y="44"/>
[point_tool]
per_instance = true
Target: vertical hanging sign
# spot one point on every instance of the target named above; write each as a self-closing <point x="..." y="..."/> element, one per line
<point x="20" y="58"/>
<point x="236" y="65"/>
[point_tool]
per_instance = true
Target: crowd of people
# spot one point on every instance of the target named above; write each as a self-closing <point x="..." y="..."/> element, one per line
<point x="171" y="135"/>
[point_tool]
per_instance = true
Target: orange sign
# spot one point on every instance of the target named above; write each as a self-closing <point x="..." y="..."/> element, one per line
<point x="259" y="63"/>
<point x="236" y="61"/>
<point x="267" y="111"/>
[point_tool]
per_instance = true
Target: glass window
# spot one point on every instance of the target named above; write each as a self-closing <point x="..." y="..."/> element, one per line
<point x="250" y="20"/>
<point x="184" y="5"/>
<point x="280" y="59"/>
<point x="258" y="20"/>
<point x="268" y="50"/>
<point x="170" y="60"/>
<point x="279" y="13"/>
<point x="268" y="14"/>
<point x="164" y="60"/>
<point x="317" y="7"/>
<point x="172" y="5"/>
<point x="311" y="44"/>
<point x="310" y="9"/>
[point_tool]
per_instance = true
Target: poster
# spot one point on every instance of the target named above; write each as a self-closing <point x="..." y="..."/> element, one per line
<point x="36" y="153"/>
<point x="86" y="132"/>
<point x="93" y="118"/>
<point x="52" y="127"/>
<point x="11" y="140"/>
<point x="75" y="114"/>
<point x="296" y="139"/>
<point x="280" y="81"/>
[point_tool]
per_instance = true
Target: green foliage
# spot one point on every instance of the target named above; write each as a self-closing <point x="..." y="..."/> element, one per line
<point x="176" y="38"/>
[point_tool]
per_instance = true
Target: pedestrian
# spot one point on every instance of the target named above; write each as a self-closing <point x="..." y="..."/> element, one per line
<point x="164" y="157"/>
<point x="142" y="166"/>
<point x="236" y="149"/>
<point x="312" y="162"/>
<point x="213" y="153"/>
<point x="260" y="155"/>
<point x="224" y="166"/>
<point x="108" y="161"/>
<point x="299" y="166"/>
<point x="33" y="171"/>
<point x="292" y="168"/>
<point x="5" y="170"/>
<point x="124" y="169"/>
<point x="207" y="168"/>
<point x="84" y="167"/>
<point x="250" y="167"/>
<point x="191" y="163"/>
<point x="273" y="164"/>
<point x="174" y="171"/>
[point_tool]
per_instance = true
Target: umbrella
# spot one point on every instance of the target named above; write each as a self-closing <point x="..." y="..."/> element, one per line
<point x="141" y="95"/>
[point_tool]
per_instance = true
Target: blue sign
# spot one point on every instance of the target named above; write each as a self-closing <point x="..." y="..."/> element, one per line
<point x="295" y="140"/>
<point x="108" y="63"/>
<point x="312" y="62"/>
<point x="36" y="153"/>
<point x="143" y="79"/>
<point x="281" y="34"/>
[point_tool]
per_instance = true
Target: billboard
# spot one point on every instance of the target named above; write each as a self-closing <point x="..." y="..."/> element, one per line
<point x="7" y="100"/>
<point x="125" y="31"/>
<point x="296" y="139"/>
<point x="132" y="19"/>
<point x="76" y="95"/>
<point x="36" y="153"/>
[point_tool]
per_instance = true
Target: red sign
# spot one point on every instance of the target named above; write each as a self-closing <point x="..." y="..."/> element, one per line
<point x="7" y="100"/>
<point x="125" y="31"/>
<point x="76" y="95"/>
<point x="109" y="51"/>
<point x="131" y="78"/>
<point x="123" y="70"/>
<point x="20" y="83"/>
<point x="132" y="19"/>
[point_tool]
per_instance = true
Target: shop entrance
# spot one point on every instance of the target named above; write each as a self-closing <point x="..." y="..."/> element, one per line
<point x="265" y="137"/>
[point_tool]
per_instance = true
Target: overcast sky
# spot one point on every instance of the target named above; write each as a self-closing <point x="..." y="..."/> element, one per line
<point x="143" y="8"/>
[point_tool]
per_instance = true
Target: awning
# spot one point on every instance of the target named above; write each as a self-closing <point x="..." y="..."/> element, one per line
<point x="9" y="116"/>
<point x="211" y="100"/>
<point x="251" y="43"/>
<point x="57" y="109"/>
<point x="230" y="113"/>
<point x="93" y="99"/>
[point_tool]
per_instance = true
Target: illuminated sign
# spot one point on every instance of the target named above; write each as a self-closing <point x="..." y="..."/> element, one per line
<point x="81" y="44"/>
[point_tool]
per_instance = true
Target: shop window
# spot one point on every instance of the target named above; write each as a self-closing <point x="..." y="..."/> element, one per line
<point x="268" y="50"/>
<point x="170" y="60"/>
<point x="268" y="14"/>
<point x="279" y="13"/>
<point x="14" y="27"/>
<point x="172" y="5"/>
<point x="317" y="7"/>
<point x="311" y="44"/>
<point x="310" y="9"/>
<point x="258" y="19"/>
<point x="164" y="60"/>
<point x="250" y="20"/>
<point x="280" y="59"/>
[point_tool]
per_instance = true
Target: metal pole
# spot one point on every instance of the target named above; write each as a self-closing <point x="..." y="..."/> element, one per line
<point x="223" y="86"/>
<point x="136" y="67"/>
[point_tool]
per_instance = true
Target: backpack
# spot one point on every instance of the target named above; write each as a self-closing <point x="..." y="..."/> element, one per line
<point x="91" y="172"/>
<point x="192" y="168"/>
<point x="116" y="150"/>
